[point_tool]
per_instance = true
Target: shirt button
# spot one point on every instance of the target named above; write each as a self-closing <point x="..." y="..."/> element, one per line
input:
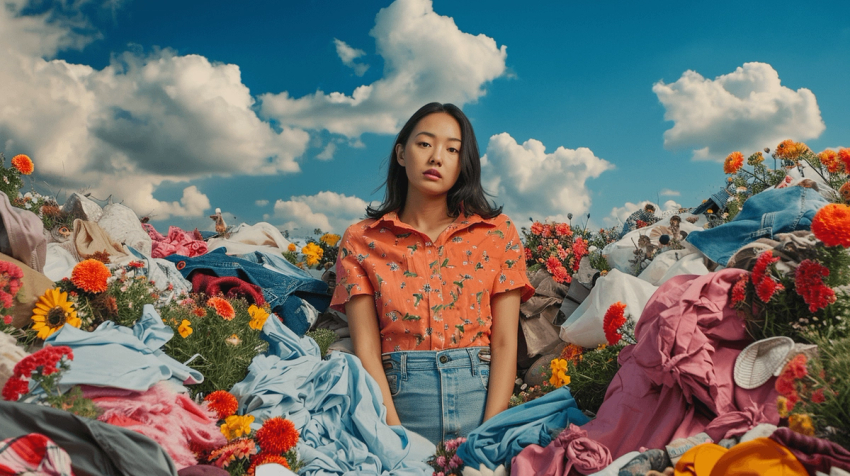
<point x="443" y="359"/>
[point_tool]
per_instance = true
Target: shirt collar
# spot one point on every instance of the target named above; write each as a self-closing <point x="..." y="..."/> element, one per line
<point x="461" y="222"/>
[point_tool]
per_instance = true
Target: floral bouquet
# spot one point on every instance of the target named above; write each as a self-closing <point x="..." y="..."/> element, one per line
<point x="10" y="177"/>
<point x="555" y="246"/>
<point x="317" y="253"/>
<point x="217" y="336"/>
<point x="40" y="370"/>
<point x="246" y="449"/>
<point x="446" y="462"/>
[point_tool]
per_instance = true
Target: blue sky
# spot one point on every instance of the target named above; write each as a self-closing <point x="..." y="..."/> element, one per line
<point x="179" y="109"/>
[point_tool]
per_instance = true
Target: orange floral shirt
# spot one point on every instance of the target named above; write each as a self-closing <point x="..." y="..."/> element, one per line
<point x="431" y="296"/>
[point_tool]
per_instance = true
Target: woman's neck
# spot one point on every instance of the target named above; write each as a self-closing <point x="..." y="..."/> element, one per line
<point x="426" y="214"/>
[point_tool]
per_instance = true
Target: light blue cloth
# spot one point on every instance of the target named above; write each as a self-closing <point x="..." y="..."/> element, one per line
<point x="121" y="357"/>
<point x="335" y="404"/>
<point x="502" y="437"/>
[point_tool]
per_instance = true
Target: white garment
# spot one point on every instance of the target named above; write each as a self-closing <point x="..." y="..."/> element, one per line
<point x="123" y="226"/>
<point x="10" y="354"/>
<point x="619" y="253"/>
<point x="673" y="263"/>
<point x="59" y="262"/>
<point x="249" y="238"/>
<point x="618" y="463"/>
<point x="584" y="326"/>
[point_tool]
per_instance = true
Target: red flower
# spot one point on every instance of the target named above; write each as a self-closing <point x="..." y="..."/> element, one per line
<point x="563" y="229"/>
<point x="739" y="290"/>
<point x="222" y="402"/>
<point x="579" y="248"/>
<point x="817" y="396"/>
<point x="766" y="287"/>
<point x="796" y="368"/>
<point x="528" y="255"/>
<point x="561" y="275"/>
<point x="792" y="398"/>
<point x="809" y="284"/>
<point x="844" y="157"/>
<point x="547" y="231"/>
<point x="277" y="435"/>
<point x="613" y="321"/>
<point x="222" y="307"/>
<point x="14" y="388"/>
<point x="552" y="264"/>
<point x="640" y="224"/>
<point x="785" y="386"/>
<point x="264" y="458"/>
<point x="537" y="228"/>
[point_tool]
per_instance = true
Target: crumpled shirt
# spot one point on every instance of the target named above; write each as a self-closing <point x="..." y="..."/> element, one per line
<point x="177" y="242"/>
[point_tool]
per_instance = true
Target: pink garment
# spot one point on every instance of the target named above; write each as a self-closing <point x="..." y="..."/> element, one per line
<point x="571" y="452"/>
<point x="173" y="420"/>
<point x="677" y="380"/>
<point x="177" y="242"/>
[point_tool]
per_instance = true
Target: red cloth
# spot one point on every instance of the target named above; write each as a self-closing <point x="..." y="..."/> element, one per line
<point x="229" y="286"/>
<point x="33" y="454"/>
<point x="177" y="242"/>
<point x="572" y="452"/>
<point x="679" y="376"/>
<point x="815" y="454"/>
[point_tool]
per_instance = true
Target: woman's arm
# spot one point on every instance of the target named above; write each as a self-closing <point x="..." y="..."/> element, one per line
<point x="366" y="341"/>
<point x="503" y="348"/>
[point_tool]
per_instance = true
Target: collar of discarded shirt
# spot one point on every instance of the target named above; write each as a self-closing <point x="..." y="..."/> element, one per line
<point x="461" y="222"/>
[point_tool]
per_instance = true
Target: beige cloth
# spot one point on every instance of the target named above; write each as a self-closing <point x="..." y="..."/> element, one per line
<point x="249" y="238"/>
<point x="89" y="238"/>
<point x="10" y="354"/>
<point x="33" y="285"/>
<point x="25" y="234"/>
<point x="792" y="248"/>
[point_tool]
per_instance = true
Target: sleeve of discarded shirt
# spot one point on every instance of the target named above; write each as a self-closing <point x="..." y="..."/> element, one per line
<point x="351" y="278"/>
<point x="512" y="273"/>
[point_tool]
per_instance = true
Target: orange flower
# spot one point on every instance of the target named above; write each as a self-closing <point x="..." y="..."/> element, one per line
<point x="278" y="435"/>
<point x="222" y="402"/>
<point x="845" y="191"/>
<point x="23" y="163"/>
<point x="844" y="157"/>
<point x="733" y="163"/>
<point x="222" y="307"/>
<point x="572" y="353"/>
<point x="264" y="458"/>
<point x="790" y="150"/>
<point x="90" y="276"/>
<point x="829" y="158"/>
<point x="831" y="225"/>
<point x="200" y="312"/>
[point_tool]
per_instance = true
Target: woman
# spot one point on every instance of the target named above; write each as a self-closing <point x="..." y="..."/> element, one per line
<point x="432" y="281"/>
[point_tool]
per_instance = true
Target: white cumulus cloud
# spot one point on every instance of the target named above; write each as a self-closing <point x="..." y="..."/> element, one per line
<point x="348" y="55"/>
<point x="128" y="127"/>
<point x="669" y="193"/>
<point x="533" y="183"/>
<point x="426" y="58"/>
<point x="619" y="215"/>
<point x="261" y="203"/>
<point x="745" y="110"/>
<point x="327" y="210"/>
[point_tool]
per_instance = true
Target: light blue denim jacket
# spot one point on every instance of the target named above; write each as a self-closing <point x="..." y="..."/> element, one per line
<point x="763" y="216"/>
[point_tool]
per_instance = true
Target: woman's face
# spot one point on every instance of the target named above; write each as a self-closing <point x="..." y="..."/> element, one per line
<point x="431" y="157"/>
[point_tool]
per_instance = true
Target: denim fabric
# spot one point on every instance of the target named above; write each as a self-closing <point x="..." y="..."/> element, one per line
<point x="718" y="200"/>
<point x="282" y="287"/>
<point x="335" y="405"/>
<point x="120" y="357"/>
<point x="763" y="216"/>
<point x="502" y="437"/>
<point x="439" y="394"/>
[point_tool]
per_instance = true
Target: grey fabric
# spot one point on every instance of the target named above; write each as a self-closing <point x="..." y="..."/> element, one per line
<point x="80" y="206"/>
<point x="25" y="234"/>
<point x="96" y="448"/>
<point x="792" y="248"/>
<point x="540" y="314"/>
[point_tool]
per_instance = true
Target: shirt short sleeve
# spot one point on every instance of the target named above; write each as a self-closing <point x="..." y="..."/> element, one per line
<point x="512" y="274"/>
<point x="351" y="277"/>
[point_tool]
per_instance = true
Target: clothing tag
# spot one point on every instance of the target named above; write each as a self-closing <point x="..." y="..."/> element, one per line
<point x="484" y="355"/>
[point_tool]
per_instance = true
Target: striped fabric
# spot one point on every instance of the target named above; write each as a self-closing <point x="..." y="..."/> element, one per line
<point x="33" y="454"/>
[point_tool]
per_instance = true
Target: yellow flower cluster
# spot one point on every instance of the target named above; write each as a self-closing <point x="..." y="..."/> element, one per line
<point x="237" y="425"/>
<point x="801" y="424"/>
<point x="185" y="328"/>
<point x="313" y="252"/>
<point x="330" y="239"/>
<point x="258" y="317"/>
<point x="291" y="247"/>
<point x="559" y="376"/>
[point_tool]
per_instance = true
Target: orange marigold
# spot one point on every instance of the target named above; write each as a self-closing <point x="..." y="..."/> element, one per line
<point x="845" y="191"/>
<point x="733" y="163"/>
<point x="23" y="163"/>
<point x="790" y="150"/>
<point x="572" y="353"/>
<point x="844" y="157"/>
<point x="264" y="458"/>
<point x="278" y="435"/>
<point x="222" y="402"/>
<point x="222" y="307"/>
<point x="829" y="158"/>
<point x="200" y="312"/>
<point x="831" y="225"/>
<point x="90" y="276"/>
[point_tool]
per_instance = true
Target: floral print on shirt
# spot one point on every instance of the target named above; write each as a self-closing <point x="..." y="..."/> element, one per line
<point x="431" y="295"/>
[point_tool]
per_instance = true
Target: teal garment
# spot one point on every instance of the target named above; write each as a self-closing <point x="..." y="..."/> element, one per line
<point x="121" y="357"/>
<point x="502" y="437"/>
<point x="336" y="406"/>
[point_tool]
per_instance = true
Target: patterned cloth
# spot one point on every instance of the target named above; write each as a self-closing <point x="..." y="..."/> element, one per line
<point x="431" y="295"/>
<point x="33" y="454"/>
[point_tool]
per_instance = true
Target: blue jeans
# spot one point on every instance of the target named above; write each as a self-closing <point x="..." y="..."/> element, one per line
<point x="440" y="394"/>
<point x="284" y="285"/>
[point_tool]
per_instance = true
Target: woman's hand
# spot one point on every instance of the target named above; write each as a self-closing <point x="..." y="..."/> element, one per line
<point x="503" y="348"/>
<point x="366" y="341"/>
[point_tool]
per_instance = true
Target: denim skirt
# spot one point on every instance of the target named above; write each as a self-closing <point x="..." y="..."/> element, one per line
<point x="440" y="394"/>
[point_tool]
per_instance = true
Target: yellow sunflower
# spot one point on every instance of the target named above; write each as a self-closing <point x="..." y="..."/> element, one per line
<point x="52" y="311"/>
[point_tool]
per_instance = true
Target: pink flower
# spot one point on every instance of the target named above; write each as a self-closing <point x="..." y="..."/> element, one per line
<point x="455" y="462"/>
<point x="817" y="396"/>
<point x="7" y="320"/>
<point x="441" y="461"/>
<point x="537" y="228"/>
<point x="563" y="229"/>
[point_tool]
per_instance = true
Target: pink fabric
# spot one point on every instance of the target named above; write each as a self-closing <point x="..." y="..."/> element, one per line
<point x="177" y="242"/>
<point x="677" y="380"/>
<point x="571" y="451"/>
<point x="173" y="420"/>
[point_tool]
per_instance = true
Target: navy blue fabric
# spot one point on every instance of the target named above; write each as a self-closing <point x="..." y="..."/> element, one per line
<point x="764" y="215"/>
<point x="718" y="198"/>
<point x="284" y="285"/>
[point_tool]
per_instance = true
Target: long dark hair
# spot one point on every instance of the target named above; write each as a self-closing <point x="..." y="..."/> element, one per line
<point x="466" y="195"/>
